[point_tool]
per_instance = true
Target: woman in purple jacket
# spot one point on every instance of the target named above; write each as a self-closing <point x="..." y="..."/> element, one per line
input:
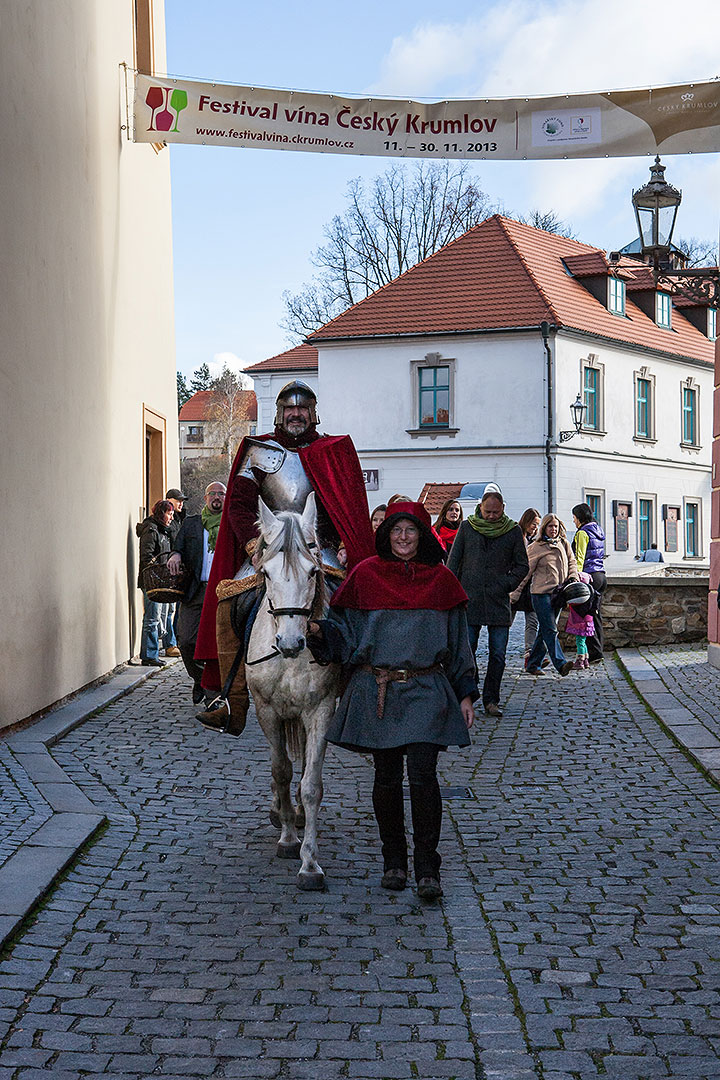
<point x="589" y="550"/>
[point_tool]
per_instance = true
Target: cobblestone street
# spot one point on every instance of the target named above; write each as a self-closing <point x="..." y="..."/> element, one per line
<point x="579" y="935"/>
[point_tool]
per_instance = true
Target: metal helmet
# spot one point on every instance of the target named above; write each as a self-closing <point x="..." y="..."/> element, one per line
<point x="296" y="393"/>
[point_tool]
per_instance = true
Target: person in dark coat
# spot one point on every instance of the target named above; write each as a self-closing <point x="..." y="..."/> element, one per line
<point x="399" y="620"/>
<point x="194" y="547"/>
<point x="155" y="537"/>
<point x="589" y="550"/>
<point x="490" y="560"/>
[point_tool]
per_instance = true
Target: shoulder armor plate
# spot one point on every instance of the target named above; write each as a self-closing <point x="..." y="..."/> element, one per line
<point x="263" y="455"/>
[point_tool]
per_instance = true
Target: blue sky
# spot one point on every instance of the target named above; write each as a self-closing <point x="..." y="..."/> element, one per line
<point x="245" y="222"/>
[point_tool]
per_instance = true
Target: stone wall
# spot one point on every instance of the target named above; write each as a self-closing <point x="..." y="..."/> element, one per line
<point x="660" y="609"/>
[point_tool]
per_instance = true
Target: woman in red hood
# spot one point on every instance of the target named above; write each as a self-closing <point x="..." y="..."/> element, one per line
<point x="399" y="621"/>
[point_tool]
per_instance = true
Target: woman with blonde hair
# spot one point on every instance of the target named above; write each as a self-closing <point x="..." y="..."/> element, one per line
<point x="551" y="563"/>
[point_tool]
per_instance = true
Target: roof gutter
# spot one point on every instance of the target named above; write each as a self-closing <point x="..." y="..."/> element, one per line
<point x="352" y="338"/>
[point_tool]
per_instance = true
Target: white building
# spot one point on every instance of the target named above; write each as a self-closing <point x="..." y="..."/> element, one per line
<point x="464" y="369"/>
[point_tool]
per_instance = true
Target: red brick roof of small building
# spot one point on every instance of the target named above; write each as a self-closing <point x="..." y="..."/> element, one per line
<point x="302" y="358"/>
<point x="501" y="275"/>
<point x="195" y="408"/>
<point x="434" y="496"/>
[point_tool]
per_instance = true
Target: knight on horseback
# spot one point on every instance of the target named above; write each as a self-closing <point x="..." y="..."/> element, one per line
<point x="282" y="468"/>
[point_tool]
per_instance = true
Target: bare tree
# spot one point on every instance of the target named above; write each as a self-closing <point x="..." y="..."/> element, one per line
<point x="401" y="218"/>
<point x="697" y="252"/>
<point x="228" y="411"/>
<point x="547" y="220"/>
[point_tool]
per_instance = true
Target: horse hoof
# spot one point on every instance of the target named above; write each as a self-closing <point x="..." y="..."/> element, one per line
<point x="311" y="882"/>
<point x="299" y="817"/>
<point x="288" y="851"/>
<point x="275" y="819"/>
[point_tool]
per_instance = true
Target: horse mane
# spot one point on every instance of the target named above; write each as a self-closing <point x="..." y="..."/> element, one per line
<point x="290" y="541"/>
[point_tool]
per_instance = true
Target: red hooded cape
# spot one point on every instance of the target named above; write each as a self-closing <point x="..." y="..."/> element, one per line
<point x="332" y="464"/>
<point x="391" y="584"/>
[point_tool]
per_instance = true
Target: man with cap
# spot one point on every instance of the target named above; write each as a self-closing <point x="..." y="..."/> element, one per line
<point x="282" y="467"/>
<point x="194" y="547"/>
<point x="176" y="497"/>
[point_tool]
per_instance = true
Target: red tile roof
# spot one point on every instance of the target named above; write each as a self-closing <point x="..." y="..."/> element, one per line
<point x="434" y="496"/>
<point x="302" y="358"/>
<point x="195" y="408"/>
<point x="502" y="274"/>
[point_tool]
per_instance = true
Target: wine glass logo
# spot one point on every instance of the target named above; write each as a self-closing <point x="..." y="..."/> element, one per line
<point x="160" y="100"/>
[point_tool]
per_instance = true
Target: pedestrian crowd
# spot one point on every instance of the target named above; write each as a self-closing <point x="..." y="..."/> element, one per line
<point x="404" y="623"/>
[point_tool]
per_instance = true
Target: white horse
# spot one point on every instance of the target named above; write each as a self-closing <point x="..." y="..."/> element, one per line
<point x="294" y="697"/>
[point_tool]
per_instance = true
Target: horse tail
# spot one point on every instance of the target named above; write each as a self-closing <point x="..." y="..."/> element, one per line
<point x="295" y="738"/>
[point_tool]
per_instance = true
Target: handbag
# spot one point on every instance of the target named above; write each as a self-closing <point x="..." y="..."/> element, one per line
<point x="163" y="587"/>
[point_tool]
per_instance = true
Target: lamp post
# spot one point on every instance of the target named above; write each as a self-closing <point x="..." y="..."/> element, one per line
<point x="578" y="410"/>
<point x="656" y="206"/>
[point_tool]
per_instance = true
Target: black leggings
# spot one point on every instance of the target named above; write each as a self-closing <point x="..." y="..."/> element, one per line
<point x="425" y="805"/>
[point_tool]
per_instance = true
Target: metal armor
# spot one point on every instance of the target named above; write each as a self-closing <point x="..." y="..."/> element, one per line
<point x="283" y="485"/>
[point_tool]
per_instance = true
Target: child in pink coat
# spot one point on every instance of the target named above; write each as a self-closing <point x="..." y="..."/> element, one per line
<point x="581" y="627"/>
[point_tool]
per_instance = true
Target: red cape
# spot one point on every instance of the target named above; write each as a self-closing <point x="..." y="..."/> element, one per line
<point x="332" y="465"/>
<point x="381" y="584"/>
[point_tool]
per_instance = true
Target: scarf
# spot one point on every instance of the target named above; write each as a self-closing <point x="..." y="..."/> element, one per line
<point x="490" y="529"/>
<point x="211" y="524"/>
<point x="376" y="584"/>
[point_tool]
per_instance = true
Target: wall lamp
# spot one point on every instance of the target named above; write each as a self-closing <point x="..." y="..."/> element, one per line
<point x="578" y="410"/>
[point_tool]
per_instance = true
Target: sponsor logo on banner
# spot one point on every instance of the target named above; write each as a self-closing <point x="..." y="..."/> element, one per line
<point x="565" y="126"/>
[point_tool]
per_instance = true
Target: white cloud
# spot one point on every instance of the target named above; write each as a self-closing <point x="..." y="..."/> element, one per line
<point x="233" y="363"/>
<point x="560" y="46"/>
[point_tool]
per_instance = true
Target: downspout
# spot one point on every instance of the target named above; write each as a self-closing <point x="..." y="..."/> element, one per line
<point x="545" y="330"/>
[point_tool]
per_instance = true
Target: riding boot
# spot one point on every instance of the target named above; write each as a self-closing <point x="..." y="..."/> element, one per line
<point x="228" y="644"/>
<point x="390" y="815"/>
<point x="426" y="806"/>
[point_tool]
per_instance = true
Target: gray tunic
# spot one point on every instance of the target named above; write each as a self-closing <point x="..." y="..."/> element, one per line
<point x="423" y="709"/>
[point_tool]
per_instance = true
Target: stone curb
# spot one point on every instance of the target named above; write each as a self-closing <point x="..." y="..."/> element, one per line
<point x="701" y="744"/>
<point x="28" y="874"/>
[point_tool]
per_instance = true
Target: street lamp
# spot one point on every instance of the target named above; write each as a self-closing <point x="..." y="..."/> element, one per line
<point x="578" y="410"/>
<point x="656" y="206"/>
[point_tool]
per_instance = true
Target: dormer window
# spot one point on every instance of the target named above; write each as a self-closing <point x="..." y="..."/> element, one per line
<point x="712" y="323"/>
<point x="616" y="296"/>
<point x="663" y="310"/>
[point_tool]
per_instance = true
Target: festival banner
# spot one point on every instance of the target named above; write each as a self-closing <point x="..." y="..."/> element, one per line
<point x="619" y="123"/>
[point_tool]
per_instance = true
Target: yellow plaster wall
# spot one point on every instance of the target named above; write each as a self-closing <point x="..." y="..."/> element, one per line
<point x="86" y="339"/>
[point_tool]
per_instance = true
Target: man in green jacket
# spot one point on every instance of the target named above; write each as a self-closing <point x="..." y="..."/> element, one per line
<point x="489" y="557"/>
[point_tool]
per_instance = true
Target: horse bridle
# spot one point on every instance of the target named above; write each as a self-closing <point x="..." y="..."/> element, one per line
<point x="291" y="611"/>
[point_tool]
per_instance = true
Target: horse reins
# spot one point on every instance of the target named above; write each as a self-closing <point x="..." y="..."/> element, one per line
<point x="290" y="611"/>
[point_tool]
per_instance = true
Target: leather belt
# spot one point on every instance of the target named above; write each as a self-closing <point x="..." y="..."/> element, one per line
<point x="383" y="676"/>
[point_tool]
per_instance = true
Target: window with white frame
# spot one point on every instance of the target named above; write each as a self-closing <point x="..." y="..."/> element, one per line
<point x="712" y="323"/>
<point x="693" y="544"/>
<point x="646" y="522"/>
<point x="690" y="415"/>
<point x="593" y="394"/>
<point x="433" y="389"/>
<point x="644" y="404"/>
<point x="616" y="296"/>
<point x="663" y="310"/>
<point x="596" y="501"/>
